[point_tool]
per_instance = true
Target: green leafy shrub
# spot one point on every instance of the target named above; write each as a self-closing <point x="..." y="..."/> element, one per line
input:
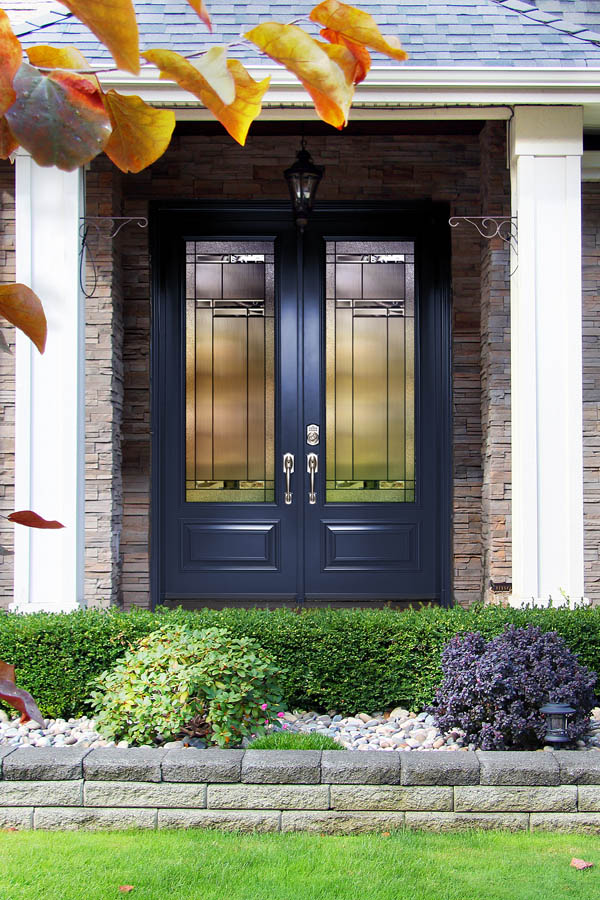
<point x="347" y="660"/>
<point x="178" y="673"/>
<point x="289" y="740"/>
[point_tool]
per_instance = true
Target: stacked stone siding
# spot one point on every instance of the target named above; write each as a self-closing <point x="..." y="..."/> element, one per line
<point x="7" y="383"/>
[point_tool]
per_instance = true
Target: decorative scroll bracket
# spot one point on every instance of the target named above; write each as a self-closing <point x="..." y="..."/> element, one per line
<point x="504" y="227"/>
<point x="117" y="223"/>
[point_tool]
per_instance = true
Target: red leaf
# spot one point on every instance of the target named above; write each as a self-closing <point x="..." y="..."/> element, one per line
<point x="32" y="520"/>
<point x="7" y="671"/>
<point x="21" y="700"/>
<point x="581" y="863"/>
<point x="10" y="60"/>
<point x="125" y="888"/>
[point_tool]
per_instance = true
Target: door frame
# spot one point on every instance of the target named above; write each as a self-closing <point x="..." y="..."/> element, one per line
<point x="434" y="218"/>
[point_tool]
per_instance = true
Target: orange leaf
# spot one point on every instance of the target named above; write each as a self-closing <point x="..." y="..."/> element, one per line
<point x="11" y="57"/>
<point x="24" y="309"/>
<point x="357" y="26"/>
<point x="307" y="59"/>
<point x="46" y="57"/>
<point x="59" y="118"/>
<point x="125" y="888"/>
<point x="7" y="140"/>
<point x="114" y="23"/>
<point x="361" y="54"/>
<point x="140" y="133"/>
<point x="199" y="7"/>
<point x="32" y="520"/>
<point x="237" y="116"/>
<point x="581" y="863"/>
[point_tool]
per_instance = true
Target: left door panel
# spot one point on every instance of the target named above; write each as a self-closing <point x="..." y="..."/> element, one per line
<point x="224" y="405"/>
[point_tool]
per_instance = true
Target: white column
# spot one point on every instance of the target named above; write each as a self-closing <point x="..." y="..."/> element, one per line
<point x="49" y="429"/>
<point x="546" y="371"/>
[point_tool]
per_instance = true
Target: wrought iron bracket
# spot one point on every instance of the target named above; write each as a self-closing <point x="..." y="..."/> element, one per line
<point x="504" y="227"/>
<point x="116" y="223"/>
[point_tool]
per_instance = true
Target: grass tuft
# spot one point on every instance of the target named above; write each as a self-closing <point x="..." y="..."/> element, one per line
<point x="289" y="740"/>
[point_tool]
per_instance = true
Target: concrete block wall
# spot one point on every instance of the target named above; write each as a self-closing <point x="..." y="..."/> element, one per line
<point x="329" y="792"/>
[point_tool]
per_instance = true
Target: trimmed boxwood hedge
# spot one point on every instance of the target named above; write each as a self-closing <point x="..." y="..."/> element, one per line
<point x="343" y="660"/>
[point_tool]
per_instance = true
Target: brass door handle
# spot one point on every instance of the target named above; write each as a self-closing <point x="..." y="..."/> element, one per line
<point x="312" y="467"/>
<point x="288" y="468"/>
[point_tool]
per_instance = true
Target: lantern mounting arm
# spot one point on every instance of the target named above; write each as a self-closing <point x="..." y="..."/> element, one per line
<point x="504" y="227"/>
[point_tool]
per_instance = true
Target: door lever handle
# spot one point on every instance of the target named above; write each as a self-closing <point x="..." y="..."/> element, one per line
<point x="312" y="467"/>
<point x="288" y="468"/>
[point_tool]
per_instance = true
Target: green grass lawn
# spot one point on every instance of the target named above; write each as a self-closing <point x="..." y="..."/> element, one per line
<point x="211" y="865"/>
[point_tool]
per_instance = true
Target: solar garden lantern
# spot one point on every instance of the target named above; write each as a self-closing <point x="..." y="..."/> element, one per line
<point x="556" y="722"/>
<point x="303" y="179"/>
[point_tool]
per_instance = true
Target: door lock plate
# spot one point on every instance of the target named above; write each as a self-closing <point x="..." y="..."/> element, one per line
<point x="312" y="435"/>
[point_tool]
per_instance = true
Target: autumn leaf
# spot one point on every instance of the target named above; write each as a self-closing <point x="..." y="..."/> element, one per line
<point x="125" y="888"/>
<point x="8" y="143"/>
<point x="24" y="309"/>
<point x="115" y="24"/>
<point x="7" y="671"/>
<point x="357" y="26"/>
<point x="22" y="700"/>
<point x="362" y="57"/>
<point x="45" y="56"/>
<point x="199" y="7"/>
<point x="321" y="75"/>
<point x="235" y="117"/>
<point x="11" y="56"/>
<point x="59" y="118"/>
<point x="140" y="133"/>
<point x="581" y="863"/>
<point x="210" y="72"/>
<point x="32" y="520"/>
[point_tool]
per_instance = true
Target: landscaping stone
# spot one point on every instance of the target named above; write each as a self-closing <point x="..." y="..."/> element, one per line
<point x="259" y="796"/>
<point x="71" y="819"/>
<point x="44" y="764"/>
<point x="40" y="793"/>
<point x="282" y="766"/>
<point x="225" y="819"/>
<point x="580" y="822"/>
<point x="516" y="799"/>
<point x="525" y="767"/>
<point x="16" y="817"/>
<point x="341" y="822"/>
<point x="345" y="767"/>
<point x="578" y="768"/>
<point x="390" y="797"/>
<point x="458" y="821"/>
<point x="435" y="768"/>
<point x="143" y="793"/>
<point x="202" y="765"/>
<point x="588" y="798"/>
<point x="115" y="764"/>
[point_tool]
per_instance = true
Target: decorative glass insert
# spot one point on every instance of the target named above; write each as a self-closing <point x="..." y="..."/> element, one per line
<point x="230" y="384"/>
<point x="370" y="400"/>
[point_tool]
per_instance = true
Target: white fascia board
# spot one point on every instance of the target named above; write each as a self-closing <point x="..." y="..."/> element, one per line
<point x="390" y="87"/>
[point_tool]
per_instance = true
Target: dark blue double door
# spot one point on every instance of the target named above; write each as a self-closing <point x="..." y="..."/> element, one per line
<point x="300" y="405"/>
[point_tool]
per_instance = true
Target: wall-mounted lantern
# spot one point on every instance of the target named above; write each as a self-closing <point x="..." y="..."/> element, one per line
<point x="303" y="179"/>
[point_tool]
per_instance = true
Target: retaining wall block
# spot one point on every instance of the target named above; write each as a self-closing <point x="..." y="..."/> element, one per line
<point x="581" y="821"/>
<point x="421" y="767"/>
<point x="44" y="764"/>
<point x="341" y="822"/>
<point x="588" y="798"/>
<point x="458" y="821"/>
<point x="4" y="752"/>
<point x="259" y="796"/>
<point x="282" y="766"/>
<point x="381" y="797"/>
<point x="114" y="764"/>
<point x="368" y="767"/>
<point x="73" y="819"/>
<point x="202" y="765"/>
<point x="226" y="819"/>
<point x="578" y="768"/>
<point x="41" y="793"/>
<point x="518" y="768"/>
<point x="516" y="799"/>
<point x="16" y="817"/>
<point x="144" y="794"/>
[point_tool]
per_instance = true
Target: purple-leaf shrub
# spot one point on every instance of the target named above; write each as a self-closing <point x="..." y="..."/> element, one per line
<point x="493" y="690"/>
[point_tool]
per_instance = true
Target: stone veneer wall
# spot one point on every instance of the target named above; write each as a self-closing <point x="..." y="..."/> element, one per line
<point x="370" y="167"/>
<point x="329" y="792"/>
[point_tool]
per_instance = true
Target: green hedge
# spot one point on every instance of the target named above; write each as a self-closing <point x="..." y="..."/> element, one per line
<point x="347" y="660"/>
